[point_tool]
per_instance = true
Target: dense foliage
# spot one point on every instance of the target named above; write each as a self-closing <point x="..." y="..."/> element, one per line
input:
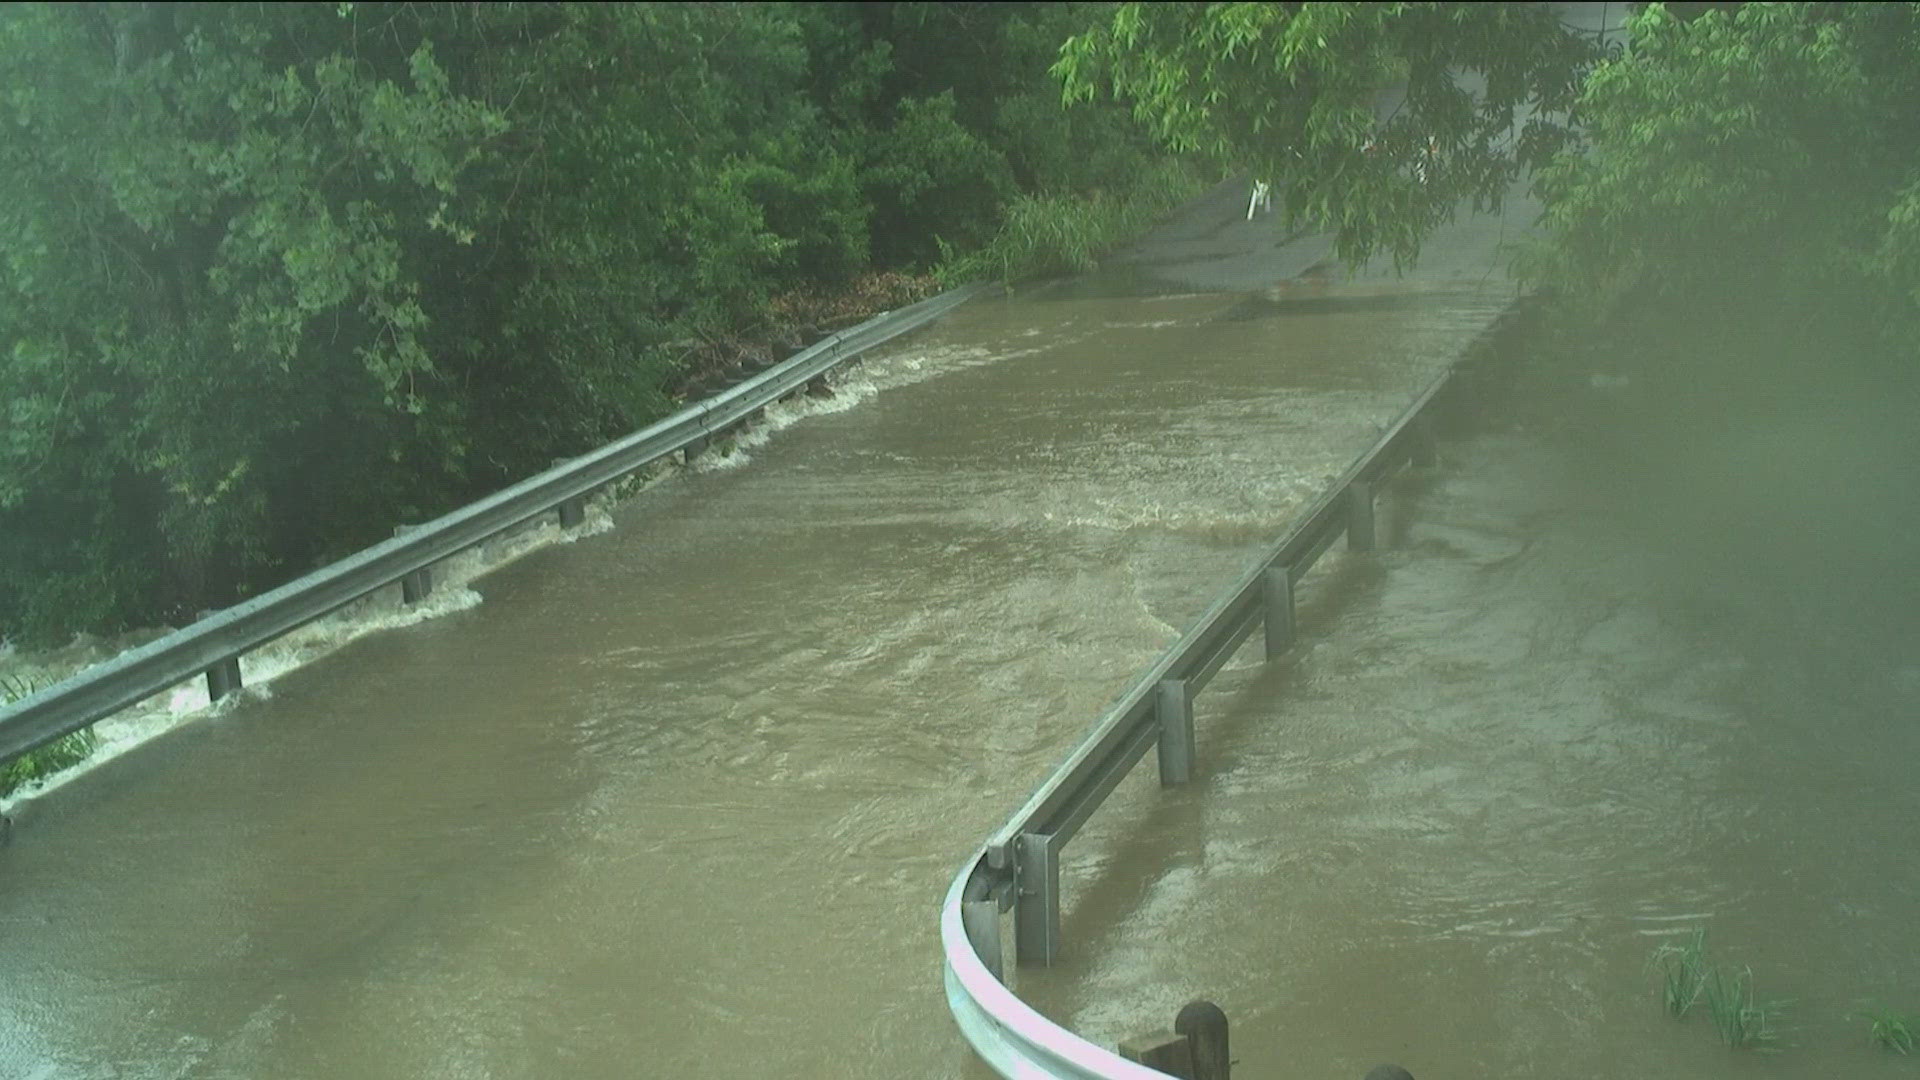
<point x="1756" y="166"/>
<point x="1750" y="196"/>
<point x="1355" y="110"/>
<point x="274" y="278"/>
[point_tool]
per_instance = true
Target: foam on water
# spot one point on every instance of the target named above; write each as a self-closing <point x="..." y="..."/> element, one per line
<point x="378" y="611"/>
<point x="452" y="578"/>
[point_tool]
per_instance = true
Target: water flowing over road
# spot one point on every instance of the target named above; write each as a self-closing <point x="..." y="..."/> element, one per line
<point x="1571" y="716"/>
<point x="681" y="798"/>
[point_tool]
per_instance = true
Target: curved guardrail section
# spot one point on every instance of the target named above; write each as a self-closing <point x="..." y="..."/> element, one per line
<point x="1018" y="868"/>
<point x="214" y="644"/>
<point x="1006" y="1032"/>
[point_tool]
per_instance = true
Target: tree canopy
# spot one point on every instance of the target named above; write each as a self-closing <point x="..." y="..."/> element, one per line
<point x="275" y="278"/>
<point x="1357" y="111"/>
<point x="1756" y="165"/>
<point x="1757" y="170"/>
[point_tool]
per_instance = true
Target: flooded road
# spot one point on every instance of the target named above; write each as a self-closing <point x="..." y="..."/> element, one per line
<point x="681" y="798"/>
<point x="1586" y="705"/>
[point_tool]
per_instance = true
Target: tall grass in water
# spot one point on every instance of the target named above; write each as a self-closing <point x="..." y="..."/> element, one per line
<point x="51" y="758"/>
<point x="1889" y="1030"/>
<point x="1683" y="972"/>
<point x="1741" y="1019"/>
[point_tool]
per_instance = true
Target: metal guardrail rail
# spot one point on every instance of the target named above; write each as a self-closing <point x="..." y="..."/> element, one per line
<point x="213" y="645"/>
<point x="1018" y="868"/>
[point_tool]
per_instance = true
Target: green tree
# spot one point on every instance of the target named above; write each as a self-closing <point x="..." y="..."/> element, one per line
<point x="274" y="278"/>
<point x="1758" y="171"/>
<point x="1358" y="112"/>
<point x="203" y="229"/>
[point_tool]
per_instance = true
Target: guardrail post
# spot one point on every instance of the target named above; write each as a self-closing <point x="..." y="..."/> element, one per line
<point x="981" y="918"/>
<point x="817" y="387"/>
<point x="572" y="511"/>
<point x="1360" y="516"/>
<point x="223" y="678"/>
<point x="1422" y="449"/>
<point x="1036" y="912"/>
<point x="695" y="447"/>
<point x="1277" y="585"/>
<point x="1174" y="708"/>
<point x="1204" y="1026"/>
<point x="414" y="586"/>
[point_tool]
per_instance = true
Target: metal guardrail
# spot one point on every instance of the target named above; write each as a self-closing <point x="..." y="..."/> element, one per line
<point x="1018" y="868"/>
<point x="213" y="645"/>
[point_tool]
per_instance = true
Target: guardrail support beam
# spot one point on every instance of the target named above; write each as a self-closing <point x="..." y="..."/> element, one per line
<point x="223" y="678"/>
<point x="982" y="921"/>
<point x="1277" y="587"/>
<point x="818" y="387"/>
<point x="1360" y="535"/>
<point x="695" y="447"/>
<point x="414" y="587"/>
<point x="572" y="511"/>
<point x="1036" y="913"/>
<point x="1174" y="708"/>
<point x="1422" y="449"/>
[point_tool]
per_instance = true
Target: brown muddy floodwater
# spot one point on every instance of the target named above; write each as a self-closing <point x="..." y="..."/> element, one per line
<point x="681" y="799"/>
<point x="1574" y="714"/>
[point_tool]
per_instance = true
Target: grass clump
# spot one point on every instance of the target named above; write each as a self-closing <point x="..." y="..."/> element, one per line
<point x="1053" y="234"/>
<point x="1890" y="1030"/>
<point x="51" y="758"/>
<point x="1683" y="972"/>
<point x="1741" y="1019"/>
<point x="1688" y="977"/>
